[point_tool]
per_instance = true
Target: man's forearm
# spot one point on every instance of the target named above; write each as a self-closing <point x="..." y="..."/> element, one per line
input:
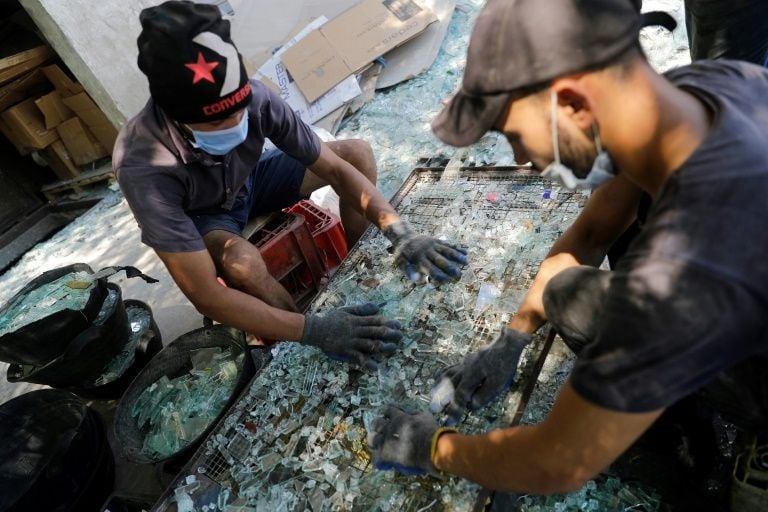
<point x="576" y="441"/>
<point x="608" y="213"/>
<point x="356" y="190"/>
<point x="565" y="253"/>
<point x="506" y="460"/>
<point x="242" y="311"/>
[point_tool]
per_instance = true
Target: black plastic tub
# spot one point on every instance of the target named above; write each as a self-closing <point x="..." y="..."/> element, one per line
<point x="174" y="361"/>
<point x="86" y="355"/>
<point x="40" y="342"/>
<point x="150" y="343"/>
<point x="55" y="455"/>
<point x="128" y="503"/>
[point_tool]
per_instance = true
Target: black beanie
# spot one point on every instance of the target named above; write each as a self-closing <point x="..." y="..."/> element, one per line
<point x="194" y="70"/>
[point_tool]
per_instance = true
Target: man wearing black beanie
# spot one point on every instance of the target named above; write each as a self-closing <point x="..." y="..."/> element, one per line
<point x="192" y="167"/>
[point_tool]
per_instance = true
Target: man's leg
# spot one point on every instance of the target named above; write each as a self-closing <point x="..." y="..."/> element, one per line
<point x="242" y="267"/>
<point x="727" y="29"/>
<point x="358" y="153"/>
<point x="573" y="302"/>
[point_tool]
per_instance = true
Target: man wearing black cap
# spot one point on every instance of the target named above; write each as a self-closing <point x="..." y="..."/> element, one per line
<point x="192" y="169"/>
<point x="684" y="310"/>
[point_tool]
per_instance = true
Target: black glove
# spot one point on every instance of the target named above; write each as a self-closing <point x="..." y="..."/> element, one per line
<point x="405" y="442"/>
<point x="480" y="377"/>
<point x="352" y="333"/>
<point x="420" y="254"/>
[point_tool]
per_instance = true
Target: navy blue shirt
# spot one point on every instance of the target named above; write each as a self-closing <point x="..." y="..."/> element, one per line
<point x="689" y="299"/>
<point x="166" y="180"/>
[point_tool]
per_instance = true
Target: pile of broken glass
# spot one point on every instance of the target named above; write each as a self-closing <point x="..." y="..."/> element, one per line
<point x="297" y="439"/>
<point x="171" y="413"/>
<point x="70" y="291"/>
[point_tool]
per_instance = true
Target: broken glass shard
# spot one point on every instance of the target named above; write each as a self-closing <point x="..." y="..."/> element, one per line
<point x="172" y="413"/>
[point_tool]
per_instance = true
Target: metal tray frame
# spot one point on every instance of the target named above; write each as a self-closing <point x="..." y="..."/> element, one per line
<point x="214" y="466"/>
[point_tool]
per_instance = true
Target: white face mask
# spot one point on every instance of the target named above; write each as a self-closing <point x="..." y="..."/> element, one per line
<point x="221" y="142"/>
<point x="602" y="168"/>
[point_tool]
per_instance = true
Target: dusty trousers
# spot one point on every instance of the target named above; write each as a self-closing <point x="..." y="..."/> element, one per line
<point x="728" y="29"/>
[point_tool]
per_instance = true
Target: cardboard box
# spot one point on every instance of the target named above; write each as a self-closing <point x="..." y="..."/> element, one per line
<point x="80" y="143"/>
<point x="59" y="160"/>
<point x="61" y="81"/>
<point x="53" y="109"/>
<point x="16" y="65"/>
<point x="28" y="125"/>
<point x="274" y="75"/>
<point x="19" y="89"/>
<point x="352" y="40"/>
<point x="82" y="105"/>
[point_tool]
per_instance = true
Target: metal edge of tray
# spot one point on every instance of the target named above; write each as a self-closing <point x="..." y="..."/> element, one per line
<point x="411" y="181"/>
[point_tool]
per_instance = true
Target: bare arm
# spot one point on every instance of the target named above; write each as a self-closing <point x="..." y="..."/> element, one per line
<point x="195" y="274"/>
<point x="353" y="187"/>
<point x="572" y="445"/>
<point x="608" y="213"/>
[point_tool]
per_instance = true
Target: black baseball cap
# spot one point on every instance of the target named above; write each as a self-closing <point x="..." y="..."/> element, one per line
<point x="520" y="44"/>
<point x="194" y="70"/>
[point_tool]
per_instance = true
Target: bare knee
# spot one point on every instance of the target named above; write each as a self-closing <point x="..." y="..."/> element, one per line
<point x="358" y="153"/>
<point x="241" y="266"/>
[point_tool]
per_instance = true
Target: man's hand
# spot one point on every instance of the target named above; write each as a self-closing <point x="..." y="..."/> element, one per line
<point x="405" y="441"/>
<point x="480" y="377"/>
<point x="353" y="333"/>
<point x="419" y="255"/>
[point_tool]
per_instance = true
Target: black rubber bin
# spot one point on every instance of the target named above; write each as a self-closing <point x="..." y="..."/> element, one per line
<point x="85" y="355"/>
<point x="173" y="361"/>
<point x="150" y="343"/>
<point x="41" y="341"/>
<point x="128" y="503"/>
<point x="55" y="456"/>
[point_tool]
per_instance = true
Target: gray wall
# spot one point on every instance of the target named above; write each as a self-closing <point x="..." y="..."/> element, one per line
<point x="97" y="40"/>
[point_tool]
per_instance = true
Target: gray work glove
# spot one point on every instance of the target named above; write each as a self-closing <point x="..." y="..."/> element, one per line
<point x="480" y="377"/>
<point x="419" y="255"/>
<point x="352" y="333"/>
<point x="405" y="442"/>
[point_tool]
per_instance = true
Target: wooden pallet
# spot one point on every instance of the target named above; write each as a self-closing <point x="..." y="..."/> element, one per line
<point x="77" y="186"/>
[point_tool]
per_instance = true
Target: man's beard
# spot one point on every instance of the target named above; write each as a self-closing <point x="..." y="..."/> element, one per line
<point x="579" y="159"/>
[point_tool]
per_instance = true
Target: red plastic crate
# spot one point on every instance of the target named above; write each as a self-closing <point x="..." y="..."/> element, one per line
<point x="289" y="252"/>
<point x="326" y="230"/>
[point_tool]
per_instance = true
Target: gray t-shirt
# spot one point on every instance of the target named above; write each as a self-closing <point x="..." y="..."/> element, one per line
<point x="689" y="300"/>
<point x="165" y="179"/>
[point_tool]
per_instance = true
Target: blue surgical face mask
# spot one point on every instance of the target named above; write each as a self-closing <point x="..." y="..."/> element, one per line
<point x="221" y="142"/>
<point x="602" y="168"/>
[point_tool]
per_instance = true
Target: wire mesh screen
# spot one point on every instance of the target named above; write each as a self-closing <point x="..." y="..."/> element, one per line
<point x="296" y="440"/>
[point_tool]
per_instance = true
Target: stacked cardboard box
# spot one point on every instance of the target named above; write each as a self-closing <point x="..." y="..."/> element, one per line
<point x="43" y="110"/>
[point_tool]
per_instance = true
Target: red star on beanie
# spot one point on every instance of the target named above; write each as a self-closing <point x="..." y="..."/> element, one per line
<point x="202" y="69"/>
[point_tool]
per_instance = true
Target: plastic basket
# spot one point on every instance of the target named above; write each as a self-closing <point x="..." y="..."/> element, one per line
<point x="290" y="254"/>
<point x="327" y="232"/>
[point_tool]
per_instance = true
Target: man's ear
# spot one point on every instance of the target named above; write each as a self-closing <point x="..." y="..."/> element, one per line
<point x="574" y="102"/>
